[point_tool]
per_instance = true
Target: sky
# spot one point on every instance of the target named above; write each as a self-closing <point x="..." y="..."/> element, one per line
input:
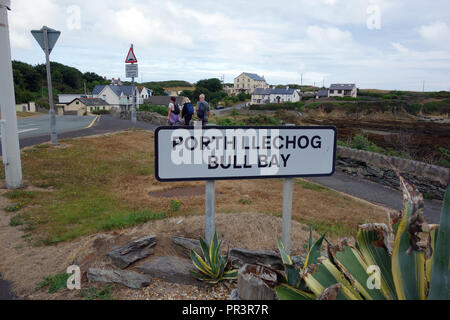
<point x="380" y="44"/>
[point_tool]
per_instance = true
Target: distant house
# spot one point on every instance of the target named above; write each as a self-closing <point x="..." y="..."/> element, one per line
<point x="85" y="106"/>
<point x="321" y="94"/>
<point x="144" y="93"/>
<point x="248" y="83"/>
<point x="64" y="99"/>
<point x="118" y="97"/>
<point x="277" y="95"/>
<point x="343" y="90"/>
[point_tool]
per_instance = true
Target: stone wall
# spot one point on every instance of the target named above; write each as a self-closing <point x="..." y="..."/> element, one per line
<point x="151" y="117"/>
<point x="431" y="180"/>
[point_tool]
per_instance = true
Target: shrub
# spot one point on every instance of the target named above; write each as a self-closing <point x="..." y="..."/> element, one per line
<point x="413" y="267"/>
<point x="100" y="112"/>
<point x="162" y="110"/>
<point x="212" y="268"/>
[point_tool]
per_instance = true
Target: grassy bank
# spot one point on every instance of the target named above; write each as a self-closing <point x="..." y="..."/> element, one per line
<point x="91" y="185"/>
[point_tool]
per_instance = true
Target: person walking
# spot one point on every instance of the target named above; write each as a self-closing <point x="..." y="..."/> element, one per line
<point x="203" y="110"/>
<point x="174" y="112"/>
<point x="188" y="112"/>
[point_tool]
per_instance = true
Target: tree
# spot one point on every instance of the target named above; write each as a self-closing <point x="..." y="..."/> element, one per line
<point x="212" y="85"/>
<point x="159" y="91"/>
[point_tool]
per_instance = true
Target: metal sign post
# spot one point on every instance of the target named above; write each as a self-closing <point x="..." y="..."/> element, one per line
<point x="288" y="190"/>
<point x="132" y="72"/>
<point x="9" y="133"/>
<point x="235" y="153"/>
<point x="47" y="37"/>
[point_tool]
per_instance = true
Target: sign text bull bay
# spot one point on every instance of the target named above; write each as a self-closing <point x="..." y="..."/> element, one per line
<point x="217" y="153"/>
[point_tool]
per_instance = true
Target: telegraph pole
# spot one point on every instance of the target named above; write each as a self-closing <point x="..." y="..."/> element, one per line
<point x="10" y="136"/>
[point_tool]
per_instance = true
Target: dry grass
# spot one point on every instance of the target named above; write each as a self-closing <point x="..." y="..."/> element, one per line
<point x="103" y="183"/>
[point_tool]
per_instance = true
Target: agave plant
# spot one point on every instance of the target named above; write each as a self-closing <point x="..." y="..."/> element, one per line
<point x="212" y="267"/>
<point x="405" y="260"/>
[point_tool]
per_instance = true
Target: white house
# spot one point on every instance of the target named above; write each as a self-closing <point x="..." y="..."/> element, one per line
<point x="343" y="90"/>
<point x="118" y="97"/>
<point x="277" y="95"/>
<point x="144" y="93"/>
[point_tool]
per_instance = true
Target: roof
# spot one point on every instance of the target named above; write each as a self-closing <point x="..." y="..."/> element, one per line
<point x="68" y="98"/>
<point x="92" y="102"/>
<point x="282" y="91"/>
<point x="262" y="92"/>
<point x="118" y="90"/>
<point x="322" y="93"/>
<point x="254" y="76"/>
<point x="338" y="86"/>
<point x="164" y="100"/>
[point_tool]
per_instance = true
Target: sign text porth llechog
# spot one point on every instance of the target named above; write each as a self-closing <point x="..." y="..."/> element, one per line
<point x="224" y="153"/>
<point x="221" y="153"/>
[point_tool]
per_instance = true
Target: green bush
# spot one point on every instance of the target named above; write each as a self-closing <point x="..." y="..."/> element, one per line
<point x="162" y="110"/>
<point x="100" y="112"/>
<point x="276" y="106"/>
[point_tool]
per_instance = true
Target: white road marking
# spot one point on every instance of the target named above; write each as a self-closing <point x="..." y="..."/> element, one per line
<point x="26" y="130"/>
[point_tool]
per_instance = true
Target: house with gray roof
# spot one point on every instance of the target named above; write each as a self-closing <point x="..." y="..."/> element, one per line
<point x="86" y="106"/>
<point x="276" y="95"/>
<point x="248" y="83"/>
<point x="118" y="97"/>
<point x="343" y="90"/>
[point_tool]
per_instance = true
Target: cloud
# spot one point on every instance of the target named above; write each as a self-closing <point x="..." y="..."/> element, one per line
<point x="191" y="40"/>
<point x="437" y="33"/>
<point x="399" y="47"/>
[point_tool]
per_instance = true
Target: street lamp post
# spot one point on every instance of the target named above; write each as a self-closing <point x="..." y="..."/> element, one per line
<point x="47" y="37"/>
<point x="8" y="124"/>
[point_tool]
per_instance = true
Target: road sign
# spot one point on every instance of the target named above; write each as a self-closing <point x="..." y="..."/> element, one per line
<point x="224" y="153"/>
<point x="131" y="57"/>
<point x="5" y="3"/>
<point x="131" y="71"/>
<point x="53" y="37"/>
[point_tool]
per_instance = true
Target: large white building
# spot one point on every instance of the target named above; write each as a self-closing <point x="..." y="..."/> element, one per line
<point x="249" y="82"/>
<point x="277" y="95"/>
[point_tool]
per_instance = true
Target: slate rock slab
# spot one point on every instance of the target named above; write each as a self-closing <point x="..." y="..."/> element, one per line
<point x="170" y="269"/>
<point x="132" y="252"/>
<point x="131" y="280"/>
<point x="187" y="245"/>
<point x="266" y="257"/>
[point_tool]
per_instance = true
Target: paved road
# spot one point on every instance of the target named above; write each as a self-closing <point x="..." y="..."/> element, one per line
<point x="228" y="110"/>
<point x="105" y="124"/>
<point x="40" y="125"/>
<point x="376" y="193"/>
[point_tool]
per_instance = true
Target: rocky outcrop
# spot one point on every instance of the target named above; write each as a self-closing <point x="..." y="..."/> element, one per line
<point x="431" y="180"/>
<point x="132" y="252"/>
<point x="171" y="269"/>
<point x="131" y="280"/>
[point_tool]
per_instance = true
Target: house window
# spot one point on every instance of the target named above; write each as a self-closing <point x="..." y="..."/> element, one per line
<point x="78" y="102"/>
<point x="340" y="91"/>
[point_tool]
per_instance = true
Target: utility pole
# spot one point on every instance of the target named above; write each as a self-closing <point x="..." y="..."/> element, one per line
<point x="9" y="136"/>
<point x="47" y="37"/>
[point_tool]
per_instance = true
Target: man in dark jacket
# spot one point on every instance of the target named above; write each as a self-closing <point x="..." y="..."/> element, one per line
<point x="203" y="110"/>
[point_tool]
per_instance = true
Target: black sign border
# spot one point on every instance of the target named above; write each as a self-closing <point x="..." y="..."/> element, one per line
<point x="244" y="128"/>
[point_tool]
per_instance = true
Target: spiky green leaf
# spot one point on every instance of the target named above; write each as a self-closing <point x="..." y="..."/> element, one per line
<point x="440" y="279"/>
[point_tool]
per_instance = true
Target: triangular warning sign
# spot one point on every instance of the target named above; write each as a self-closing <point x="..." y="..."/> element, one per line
<point x="131" y="57"/>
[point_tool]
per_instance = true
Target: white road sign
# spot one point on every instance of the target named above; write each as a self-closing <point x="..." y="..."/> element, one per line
<point x="131" y="70"/>
<point x="221" y="153"/>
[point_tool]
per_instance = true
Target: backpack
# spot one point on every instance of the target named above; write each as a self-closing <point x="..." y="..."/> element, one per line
<point x="176" y="109"/>
<point x="201" y="110"/>
<point x="190" y="109"/>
